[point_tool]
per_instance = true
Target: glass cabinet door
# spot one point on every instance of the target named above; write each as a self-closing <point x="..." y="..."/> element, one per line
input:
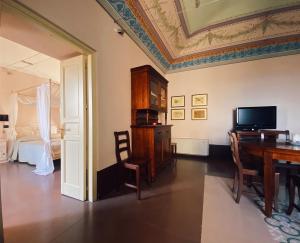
<point x="154" y="94"/>
<point x="163" y="98"/>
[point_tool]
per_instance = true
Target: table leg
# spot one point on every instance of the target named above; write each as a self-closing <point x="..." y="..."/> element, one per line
<point x="269" y="184"/>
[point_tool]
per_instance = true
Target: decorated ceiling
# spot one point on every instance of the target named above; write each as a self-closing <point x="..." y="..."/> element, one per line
<point x="185" y="34"/>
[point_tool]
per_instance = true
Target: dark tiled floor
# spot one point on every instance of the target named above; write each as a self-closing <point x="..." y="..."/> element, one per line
<point x="171" y="209"/>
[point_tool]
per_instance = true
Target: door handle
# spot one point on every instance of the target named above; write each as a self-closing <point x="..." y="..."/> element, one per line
<point x="62" y="132"/>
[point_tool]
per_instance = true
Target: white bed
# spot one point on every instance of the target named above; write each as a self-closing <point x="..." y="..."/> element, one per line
<point x="30" y="150"/>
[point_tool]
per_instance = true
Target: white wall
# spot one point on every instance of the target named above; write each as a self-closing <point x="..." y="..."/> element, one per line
<point x="273" y="81"/>
<point x="87" y="21"/>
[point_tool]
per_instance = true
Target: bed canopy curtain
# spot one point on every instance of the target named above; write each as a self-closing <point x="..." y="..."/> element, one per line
<point x="44" y="99"/>
<point x="13" y="115"/>
<point x="45" y="166"/>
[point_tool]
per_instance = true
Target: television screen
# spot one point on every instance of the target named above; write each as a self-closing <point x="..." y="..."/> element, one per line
<point x="254" y="118"/>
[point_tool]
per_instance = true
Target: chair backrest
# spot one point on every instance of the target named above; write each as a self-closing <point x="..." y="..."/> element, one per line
<point x="272" y="135"/>
<point x="234" y="145"/>
<point x="122" y="146"/>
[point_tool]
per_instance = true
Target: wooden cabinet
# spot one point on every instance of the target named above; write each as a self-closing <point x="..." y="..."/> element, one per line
<point x="149" y="92"/>
<point x="154" y="143"/>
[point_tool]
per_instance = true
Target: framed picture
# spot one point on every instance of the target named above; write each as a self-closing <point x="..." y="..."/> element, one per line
<point x="199" y="114"/>
<point x="199" y="100"/>
<point x="177" y="114"/>
<point x="178" y="101"/>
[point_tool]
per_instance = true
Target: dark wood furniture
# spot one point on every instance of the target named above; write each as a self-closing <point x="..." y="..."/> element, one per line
<point x="270" y="152"/>
<point x="154" y="142"/>
<point x="148" y="95"/>
<point x="125" y="161"/>
<point x="242" y="135"/>
<point x="270" y="135"/>
<point x="148" y="103"/>
<point x="241" y="169"/>
<point x="294" y="182"/>
<point x="174" y="149"/>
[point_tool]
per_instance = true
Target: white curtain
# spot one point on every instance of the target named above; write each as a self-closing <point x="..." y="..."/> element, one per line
<point x="13" y="116"/>
<point x="45" y="166"/>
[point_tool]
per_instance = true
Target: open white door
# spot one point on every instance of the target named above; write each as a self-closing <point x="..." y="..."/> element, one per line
<point x="73" y="127"/>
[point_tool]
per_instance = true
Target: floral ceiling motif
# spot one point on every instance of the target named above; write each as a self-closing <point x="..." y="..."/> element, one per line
<point x="158" y="26"/>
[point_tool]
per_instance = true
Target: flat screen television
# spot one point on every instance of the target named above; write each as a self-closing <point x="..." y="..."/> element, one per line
<point x="255" y="118"/>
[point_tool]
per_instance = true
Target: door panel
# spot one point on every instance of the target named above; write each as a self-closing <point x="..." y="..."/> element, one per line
<point x="73" y="124"/>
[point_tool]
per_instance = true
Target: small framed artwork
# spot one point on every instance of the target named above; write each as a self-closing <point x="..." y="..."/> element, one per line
<point x="199" y="100"/>
<point x="177" y="114"/>
<point x="199" y="114"/>
<point x="178" y="101"/>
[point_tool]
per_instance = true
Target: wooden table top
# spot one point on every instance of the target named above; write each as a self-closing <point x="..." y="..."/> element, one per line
<point x="279" y="146"/>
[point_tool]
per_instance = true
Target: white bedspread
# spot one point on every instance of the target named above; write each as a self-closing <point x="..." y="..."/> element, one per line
<point x="31" y="150"/>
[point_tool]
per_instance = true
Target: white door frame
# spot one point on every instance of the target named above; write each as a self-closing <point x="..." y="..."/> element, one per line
<point x="20" y="9"/>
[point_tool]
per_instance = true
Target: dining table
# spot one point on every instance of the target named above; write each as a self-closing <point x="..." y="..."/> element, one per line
<point x="270" y="152"/>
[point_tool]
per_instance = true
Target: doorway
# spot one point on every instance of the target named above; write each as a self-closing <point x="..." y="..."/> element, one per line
<point x="24" y="26"/>
<point x="32" y="30"/>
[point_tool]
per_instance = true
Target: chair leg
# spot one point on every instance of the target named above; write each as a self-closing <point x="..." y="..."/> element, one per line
<point x="234" y="181"/>
<point x="276" y="191"/>
<point x="239" y="189"/>
<point x="138" y="183"/>
<point x="148" y="172"/>
<point x="291" y="196"/>
<point x="298" y="193"/>
<point x="287" y="178"/>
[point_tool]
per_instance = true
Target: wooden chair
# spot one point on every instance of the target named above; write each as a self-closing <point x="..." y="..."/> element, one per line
<point x="122" y="143"/>
<point x="294" y="182"/>
<point x="241" y="170"/>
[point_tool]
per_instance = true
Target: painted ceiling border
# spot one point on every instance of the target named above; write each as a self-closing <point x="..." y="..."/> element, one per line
<point x="122" y="14"/>
<point x="255" y="53"/>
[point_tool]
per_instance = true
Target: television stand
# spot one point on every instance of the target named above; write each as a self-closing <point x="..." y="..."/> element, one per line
<point x="248" y="135"/>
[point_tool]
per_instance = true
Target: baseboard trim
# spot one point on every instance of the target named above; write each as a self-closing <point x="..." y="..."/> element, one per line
<point x="219" y="151"/>
<point x="192" y="156"/>
<point x="107" y="181"/>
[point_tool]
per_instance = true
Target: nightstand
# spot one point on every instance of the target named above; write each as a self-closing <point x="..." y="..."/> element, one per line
<point x="3" y="150"/>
